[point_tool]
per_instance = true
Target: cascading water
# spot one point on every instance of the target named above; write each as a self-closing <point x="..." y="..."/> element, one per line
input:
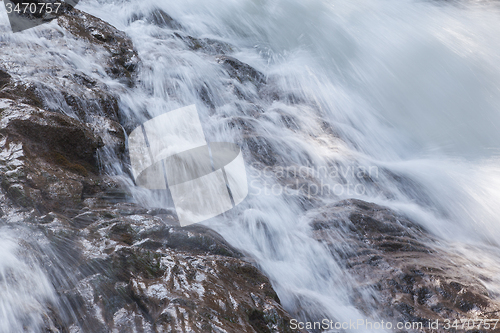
<point x="407" y="91"/>
<point x="25" y="288"/>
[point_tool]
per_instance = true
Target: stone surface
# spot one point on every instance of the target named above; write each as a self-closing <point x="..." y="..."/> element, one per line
<point x="241" y="71"/>
<point x="52" y="82"/>
<point x="122" y="60"/>
<point x="414" y="279"/>
<point x="206" y="45"/>
<point x="157" y="17"/>
<point x="46" y="158"/>
<point x="144" y="272"/>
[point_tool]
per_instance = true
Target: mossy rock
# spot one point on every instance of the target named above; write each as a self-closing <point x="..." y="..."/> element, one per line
<point x="61" y="160"/>
<point x="127" y="262"/>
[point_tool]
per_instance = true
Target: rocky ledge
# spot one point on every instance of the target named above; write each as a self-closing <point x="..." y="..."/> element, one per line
<point x="414" y="278"/>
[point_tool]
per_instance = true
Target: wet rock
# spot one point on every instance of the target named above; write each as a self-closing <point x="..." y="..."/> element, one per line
<point x="206" y="45"/>
<point x="123" y="60"/>
<point x="42" y="131"/>
<point x="197" y="281"/>
<point x="140" y="271"/>
<point x="198" y="239"/>
<point x="74" y="99"/>
<point x="50" y="81"/>
<point x="162" y="19"/>
<point x="84" y="219"/>
<point x="167" y="291"/>
<point x="4" y="78"/>
<point x="45" y="157"/>
<point x="415" y="280"/>
<point x="157" y="17"/>
<point x="23" y="92"/>
<point x="112" y="134"/>
<point x="241" y="71"/>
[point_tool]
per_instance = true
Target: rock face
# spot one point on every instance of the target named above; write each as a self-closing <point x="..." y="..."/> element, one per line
<point x="241" y="71"/>
<point x="122" y="61"/>
<point x="141" y="271"/>
<point x="50" y="81"/>
<point x="46" y="158"/>
<point x="126" y="268"/>
<point x="415" y="281"/>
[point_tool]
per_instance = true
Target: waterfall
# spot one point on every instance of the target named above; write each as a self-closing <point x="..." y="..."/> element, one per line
<point x="391" y="102"/>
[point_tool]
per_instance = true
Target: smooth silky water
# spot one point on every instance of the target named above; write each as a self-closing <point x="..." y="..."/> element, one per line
<point x="406" y="88"/>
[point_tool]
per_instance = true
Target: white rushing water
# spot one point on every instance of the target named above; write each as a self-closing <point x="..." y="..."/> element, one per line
<point x="24" y="287"/>
<point x="410" y="88"/>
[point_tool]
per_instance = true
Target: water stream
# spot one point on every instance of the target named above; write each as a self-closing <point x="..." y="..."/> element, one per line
<point x="406" y="88"/>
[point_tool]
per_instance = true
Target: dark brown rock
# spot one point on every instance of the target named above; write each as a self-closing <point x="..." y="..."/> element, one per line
<point x="190" y="283"/>
<point x="206" y="45"/>
<point x="415" y="280"/>
<point x="198" y="239"/>
<point x="4" y="79"/>
<point x="56" y="86"/>
<point x="123" y="60"/>
<point x="241" y="71"/>
<point x="45" y="157"/>
<point x="157" y="17"/>
<point x="136" y="265"/>
<point x="42" y="131"/>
